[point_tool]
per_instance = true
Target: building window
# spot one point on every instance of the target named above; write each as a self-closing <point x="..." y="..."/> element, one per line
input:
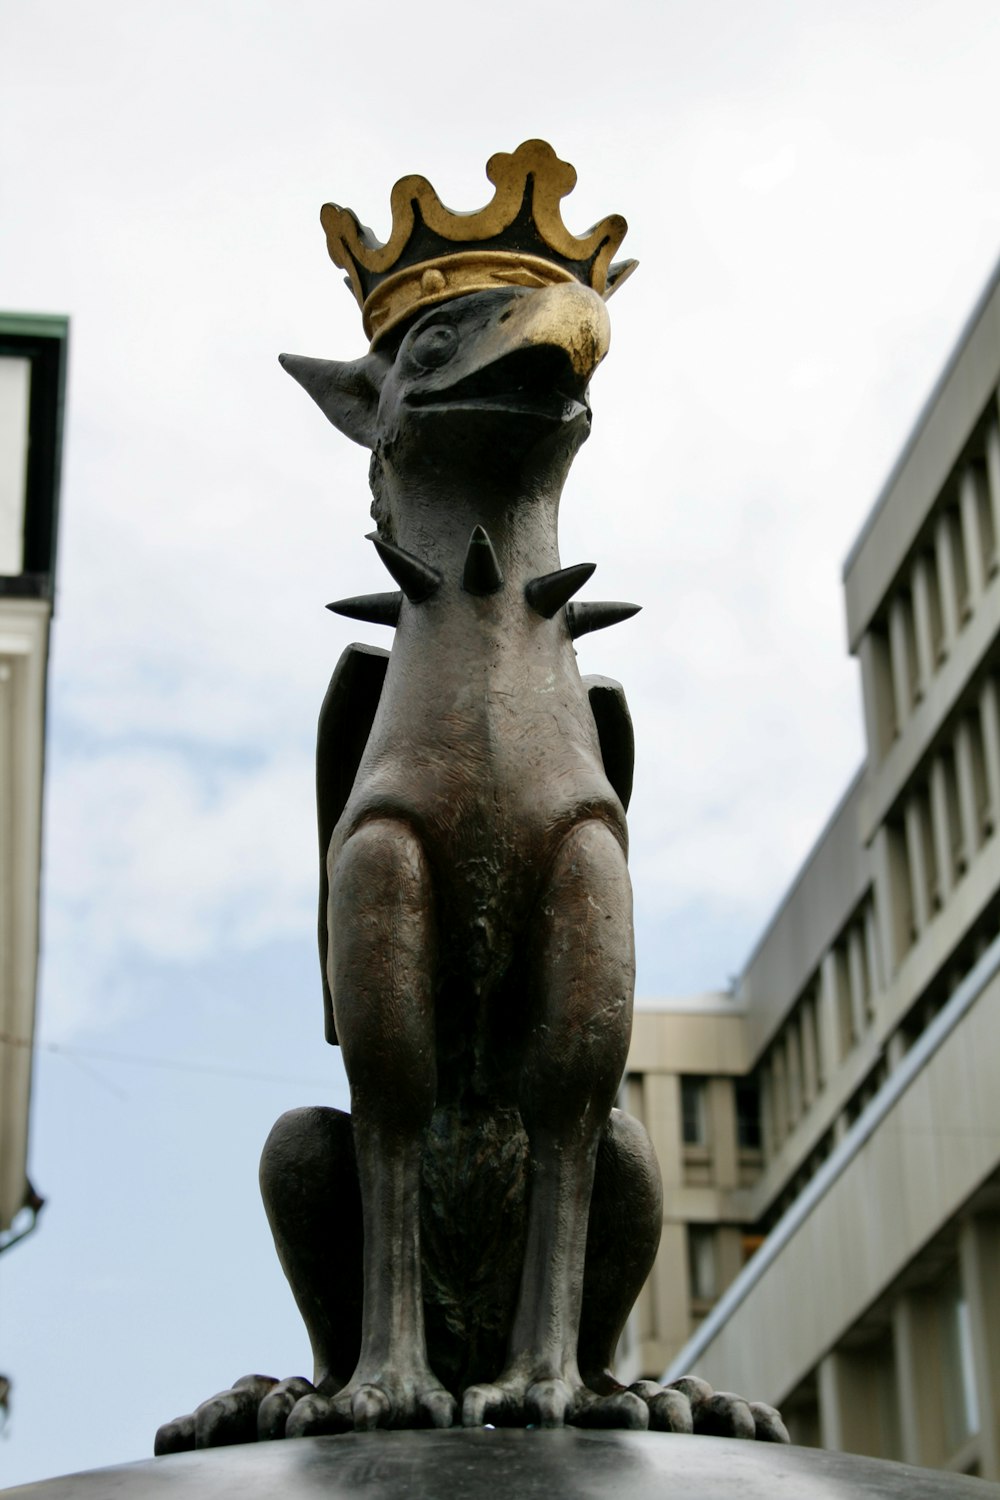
<point x="881" y="692"/>
<point x="748" y="1132"/>
<point x="842" y="988"/>
<point x="933" y="622"/>
<point x="980" y="786"/>
<point x="793" y="1064"/>
<point x="812" y="1058"/>
<point x="959" y="564"/>
<point x="694" y="1115"/>
<point x="701" y="1263"/>
<point x="984" y="517"/>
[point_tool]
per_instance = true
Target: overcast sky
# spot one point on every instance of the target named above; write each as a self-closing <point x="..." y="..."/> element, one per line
<point x="812" y="192"/>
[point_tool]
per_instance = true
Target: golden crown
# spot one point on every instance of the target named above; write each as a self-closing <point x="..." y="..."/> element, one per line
<point x="433" y="254"/>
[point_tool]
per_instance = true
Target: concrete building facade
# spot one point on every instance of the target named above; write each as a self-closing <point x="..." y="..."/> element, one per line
<point x="829" y="1132"/>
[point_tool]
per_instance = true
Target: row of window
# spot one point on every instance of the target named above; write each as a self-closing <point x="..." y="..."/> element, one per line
<point x="968" y="952"/>
<point x="708" y="1272"/>
<point x="935" y="834"/>
<point x="955" y="559"/>
<point x="793" y="1070"/>
<point x="946" y="817"/>
<point x="807" y="1050"/>
<point x="854" y="974"/>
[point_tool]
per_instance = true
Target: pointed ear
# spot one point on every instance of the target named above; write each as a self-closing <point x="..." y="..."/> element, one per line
<point x="346" y="393"/>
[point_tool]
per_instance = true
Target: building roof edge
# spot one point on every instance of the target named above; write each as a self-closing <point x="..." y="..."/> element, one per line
<point x="930" y="401"/>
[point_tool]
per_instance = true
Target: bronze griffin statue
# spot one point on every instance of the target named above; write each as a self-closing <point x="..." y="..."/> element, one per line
<point x="468" y="1243"/>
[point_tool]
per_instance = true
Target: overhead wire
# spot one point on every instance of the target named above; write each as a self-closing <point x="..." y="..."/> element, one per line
<point x="74" y="1052"/>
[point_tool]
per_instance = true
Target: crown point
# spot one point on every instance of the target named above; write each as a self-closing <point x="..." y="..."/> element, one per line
<point x="433" y="253"/>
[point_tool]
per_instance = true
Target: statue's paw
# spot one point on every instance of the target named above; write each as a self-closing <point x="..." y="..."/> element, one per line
<point x="519" y="1400"/>
<point x="487" y="1406"/>
<point x="415" y="1400"/>
<point x="439" y="1408"/>
<point x="234" y="1416"/>
<point x="548" y="1403"/>
<point x="768" y="1425"/>
<point x="618" y="1409"/>
<point x="278" y="1405"/>
<point x="314" y="1415"/>
<point x="691" y="1405"/>
<point x="669" y="1410"/>
<point x="175" y="1437"/>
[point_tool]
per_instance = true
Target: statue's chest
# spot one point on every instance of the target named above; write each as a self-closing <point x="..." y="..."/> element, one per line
<point x="486" y="726"/>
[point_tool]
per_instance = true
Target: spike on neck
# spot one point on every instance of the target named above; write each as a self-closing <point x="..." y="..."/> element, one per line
<point x="482" y="573"/>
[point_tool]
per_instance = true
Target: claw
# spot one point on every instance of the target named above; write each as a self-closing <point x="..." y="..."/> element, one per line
<point x="546" y="1403"/>
<point x="276" y="1407"/>
<point x="770" y="1427"/>
<point x="696" y="1390"/>
<point x="314" y="1415"/>
<point x="670" y="1411"/>
<point x="370" y="1408"/>
<point x="690" y="1405"/>
<point x="623" y="1409"/>
<point x="439" y="1408"/>
<point x="228" y="1418"/>
<point x="257" y="1385"/>
<point x="175" y="1437"/>
<point x="725" y="1415"/>
<point x="482" y="1404"/>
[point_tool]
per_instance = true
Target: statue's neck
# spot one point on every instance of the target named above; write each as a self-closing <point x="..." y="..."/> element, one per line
<point x="436" y="527"/>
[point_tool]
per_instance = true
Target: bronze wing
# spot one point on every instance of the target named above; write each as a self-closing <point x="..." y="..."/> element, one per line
<point x="345" y="722"/>
<point x="614" y="730"/>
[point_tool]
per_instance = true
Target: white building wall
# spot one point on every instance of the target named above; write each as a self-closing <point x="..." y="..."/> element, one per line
<point x="24" y="625"/>
<point x="897" y="1179"/>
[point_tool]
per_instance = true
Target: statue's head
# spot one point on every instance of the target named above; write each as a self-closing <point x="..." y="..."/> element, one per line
<point x="485" y="328"/>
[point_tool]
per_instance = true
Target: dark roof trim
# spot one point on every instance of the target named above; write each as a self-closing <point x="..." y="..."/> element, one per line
<point x="44" y="340"/>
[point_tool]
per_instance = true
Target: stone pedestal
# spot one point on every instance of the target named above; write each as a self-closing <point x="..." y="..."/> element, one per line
<point x="493" y="1465"/>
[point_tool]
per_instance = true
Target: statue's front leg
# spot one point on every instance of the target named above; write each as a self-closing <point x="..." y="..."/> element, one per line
<point x="581" y="968"/>
<point x="381" y="964"/>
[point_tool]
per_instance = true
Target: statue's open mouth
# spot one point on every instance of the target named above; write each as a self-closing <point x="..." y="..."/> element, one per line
<point x="539" y="380"/>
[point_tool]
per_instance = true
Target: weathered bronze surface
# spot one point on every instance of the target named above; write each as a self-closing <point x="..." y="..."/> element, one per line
<point x="471" y="1239"/>
<point x="566" y="1465"/>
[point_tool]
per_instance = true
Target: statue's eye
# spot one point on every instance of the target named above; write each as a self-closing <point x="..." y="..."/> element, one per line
<point x="434" y="346"/>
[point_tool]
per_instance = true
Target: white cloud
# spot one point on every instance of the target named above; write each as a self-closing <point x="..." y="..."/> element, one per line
<point x="154" y="852"/>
